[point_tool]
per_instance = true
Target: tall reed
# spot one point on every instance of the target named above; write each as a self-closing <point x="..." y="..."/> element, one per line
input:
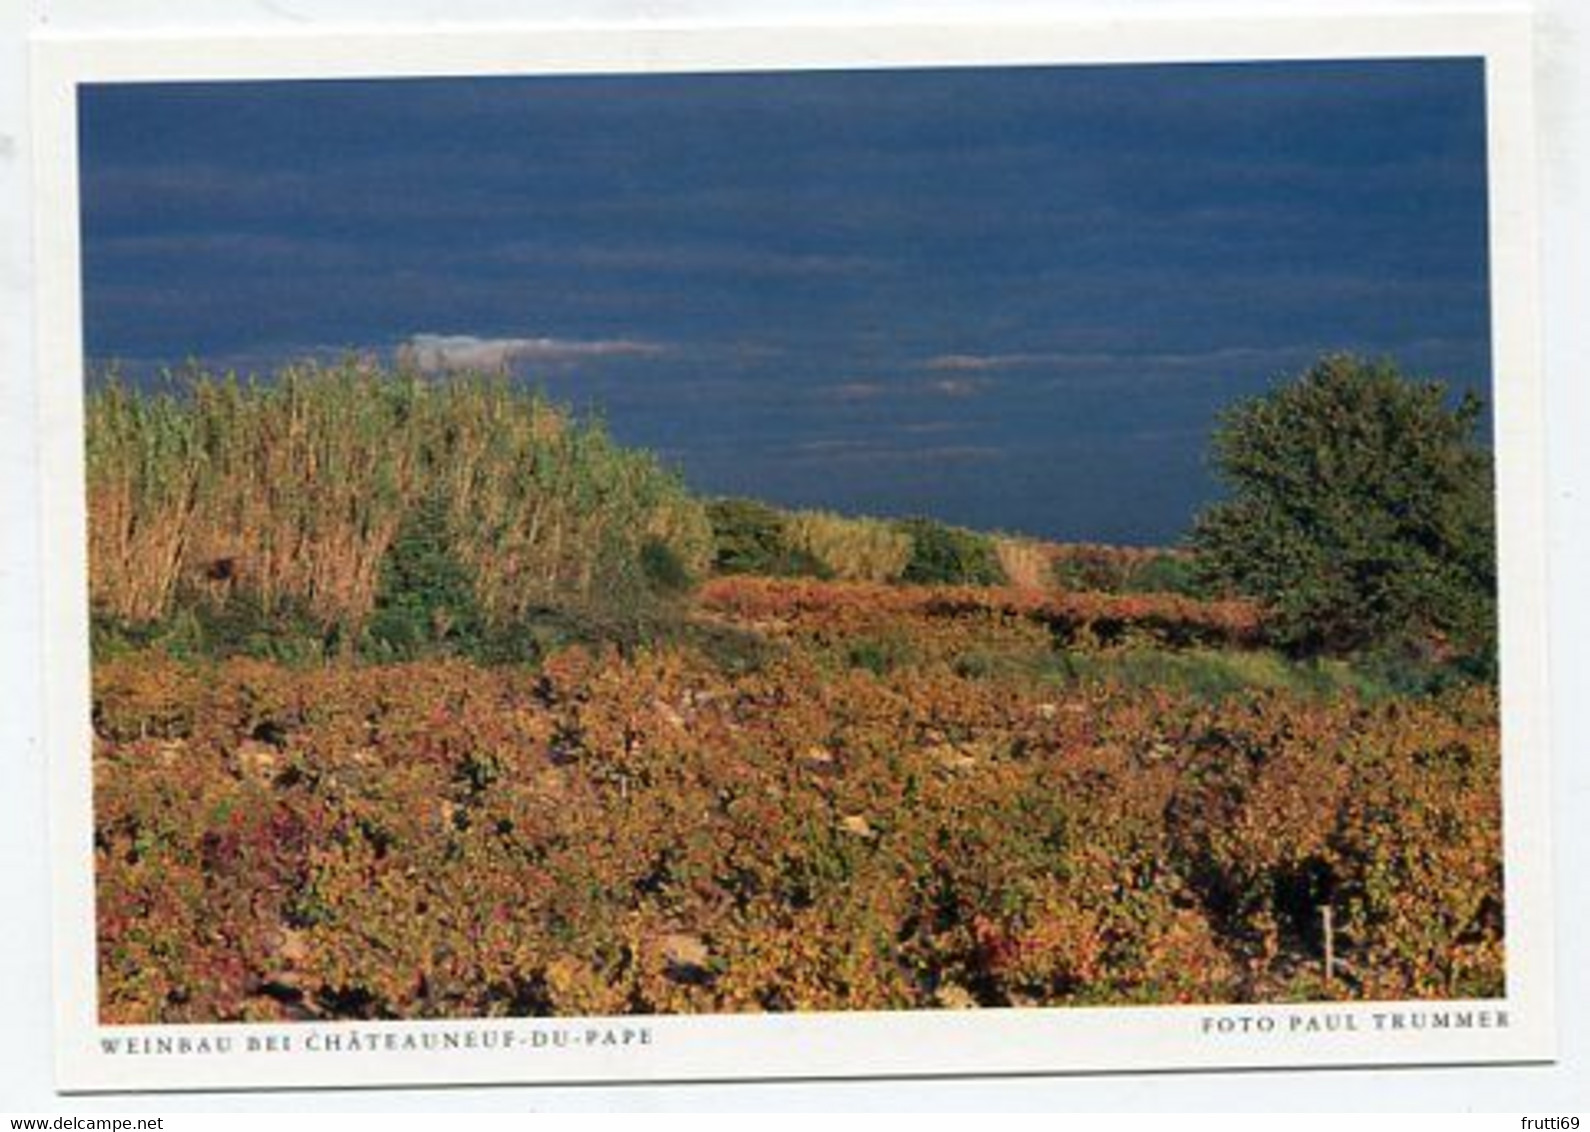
<point x="290" y="491"/>
<point x="852" y="549"/>
<point x="145" y="465"/>
<point x="1026" y="562"/>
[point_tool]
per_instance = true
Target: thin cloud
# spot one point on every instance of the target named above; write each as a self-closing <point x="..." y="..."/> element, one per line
<point x="954" y="387"/>
<point x="958" y="386"/>
<point x="929" y="428"/>
<point x="1056" y="359"/>
<point x="434" y="352"/>
<point x="976" y="363"/>
<point x="858" y="390"/>
<point x="1145" y="363"/>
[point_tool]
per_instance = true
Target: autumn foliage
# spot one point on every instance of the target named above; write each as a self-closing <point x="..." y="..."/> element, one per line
<point x="651" y="832"/>
<point x="1091" y="618"/>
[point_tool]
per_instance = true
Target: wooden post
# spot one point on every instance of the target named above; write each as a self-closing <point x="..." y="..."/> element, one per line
<point x="1330" y="942"/>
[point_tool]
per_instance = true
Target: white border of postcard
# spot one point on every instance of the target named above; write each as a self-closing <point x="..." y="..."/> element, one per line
<point x="1519" y="1028"/>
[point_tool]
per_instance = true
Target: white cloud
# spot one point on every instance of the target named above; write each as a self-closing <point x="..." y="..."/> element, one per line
<point x="975" y="363"/>
<point x="851" y="391"/>
<point x="958" y="386"/>
<point x="1101" y="360"/>
<point x="1069" y="367"/>
<point x="432" y="352"/>
<point x="858" y="390"/>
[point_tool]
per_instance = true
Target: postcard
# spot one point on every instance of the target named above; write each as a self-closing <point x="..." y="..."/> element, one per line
<point x="697" y="552"/>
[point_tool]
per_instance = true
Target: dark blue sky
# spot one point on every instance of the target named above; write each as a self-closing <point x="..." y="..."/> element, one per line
<point x="1012" y="298"/>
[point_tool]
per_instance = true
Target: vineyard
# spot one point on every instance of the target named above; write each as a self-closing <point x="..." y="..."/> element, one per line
<point x="651" y="833"/>
<point x="687" y="757"/>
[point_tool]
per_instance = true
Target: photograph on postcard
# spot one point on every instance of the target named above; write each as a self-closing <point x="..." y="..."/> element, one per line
<point x="921" y="542"/>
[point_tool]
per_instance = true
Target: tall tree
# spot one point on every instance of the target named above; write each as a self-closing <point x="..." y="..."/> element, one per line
<point x="1361" y="510"/>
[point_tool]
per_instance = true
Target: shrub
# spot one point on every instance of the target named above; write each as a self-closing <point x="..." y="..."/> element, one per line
<point x="1168" y="572"/>
<point x="879" y="655"/>
<point x="199" y="628"/>
<point x="1098" y="568"/>
<point x="851" y="549"/>
<point x="666" y="573"/>
<point x="751" y="537"/>
<point x="946" y="555"/>
<point x="1023" y="562"/>
<point x="426" y="598"/>
<point x="1090" y="569"/>
<point x="1360" y="512"/>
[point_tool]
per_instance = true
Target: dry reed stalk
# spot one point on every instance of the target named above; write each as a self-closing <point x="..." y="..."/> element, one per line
<point x="1025" y="563"/>
<point x="853" y="549"/>
<point x="292" y="491"/>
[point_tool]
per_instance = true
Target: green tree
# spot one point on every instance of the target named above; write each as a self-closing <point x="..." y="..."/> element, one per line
<point x="426" y="600"/>
<point x="1360" y="511"/>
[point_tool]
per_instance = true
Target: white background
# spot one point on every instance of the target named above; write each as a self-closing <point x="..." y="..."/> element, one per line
<point x="1563" y="94"/>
